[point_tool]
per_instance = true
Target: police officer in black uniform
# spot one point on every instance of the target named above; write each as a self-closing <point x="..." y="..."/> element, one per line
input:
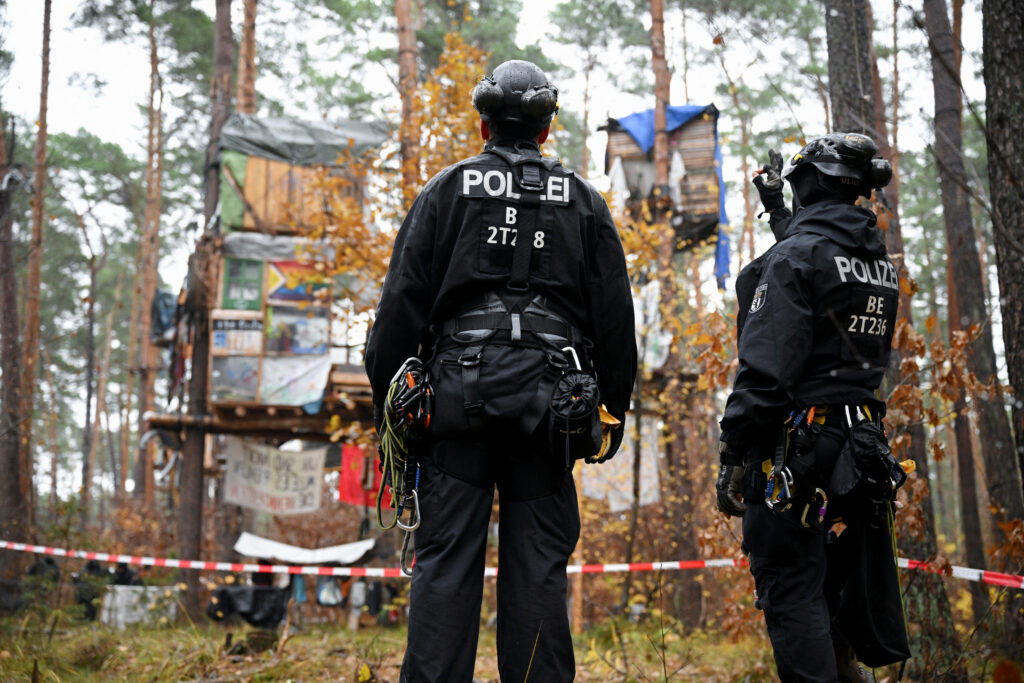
<point x="504" y="260"/>
<point x="815" y="325"/>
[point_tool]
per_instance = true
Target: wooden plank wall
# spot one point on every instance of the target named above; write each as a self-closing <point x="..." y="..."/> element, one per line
<point x="696" y="142"/>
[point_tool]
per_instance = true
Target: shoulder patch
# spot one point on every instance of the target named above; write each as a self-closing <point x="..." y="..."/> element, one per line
<point x="760" y="294"/>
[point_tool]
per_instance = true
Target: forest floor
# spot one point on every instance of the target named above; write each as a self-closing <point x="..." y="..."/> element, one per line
<point x="66" y="650"/>
<point x="61" y="647"/>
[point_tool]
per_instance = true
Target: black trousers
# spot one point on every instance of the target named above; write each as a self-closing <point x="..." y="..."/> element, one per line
<point x="798" y="579"/>
<point x="538" y="529"/>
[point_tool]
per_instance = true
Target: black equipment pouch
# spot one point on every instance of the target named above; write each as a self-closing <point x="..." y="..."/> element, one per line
<point x="867" y="474"/>
<point x="573" y="415"/>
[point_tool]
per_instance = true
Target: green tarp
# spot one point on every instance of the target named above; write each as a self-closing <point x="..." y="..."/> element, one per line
<point x="303" y="143"/>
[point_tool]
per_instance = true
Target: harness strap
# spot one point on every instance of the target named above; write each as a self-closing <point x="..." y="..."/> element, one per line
<point x="522" y="252"/>
<point x="513" y="322"/>
<point x="537" y="406"/>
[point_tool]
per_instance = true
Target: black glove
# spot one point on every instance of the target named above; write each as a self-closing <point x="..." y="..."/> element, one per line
<point x="769" y="182"/>
<point x="614" y="441"/>
<point x="729" y="487"/>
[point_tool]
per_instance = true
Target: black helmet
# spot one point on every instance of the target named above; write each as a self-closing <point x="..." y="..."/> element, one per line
<point x="516" y="96"/>
<point x="848" y="158"/>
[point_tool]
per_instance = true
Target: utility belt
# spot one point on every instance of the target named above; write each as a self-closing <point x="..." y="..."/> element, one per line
<point x="501" y="368"/>
<point x="865" y="477"/>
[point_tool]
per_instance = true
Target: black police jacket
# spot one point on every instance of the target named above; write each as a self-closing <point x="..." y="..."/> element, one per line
<point x="750" y="274"/>
<point x="817" y="328"/>
<point x="456" y="243"/>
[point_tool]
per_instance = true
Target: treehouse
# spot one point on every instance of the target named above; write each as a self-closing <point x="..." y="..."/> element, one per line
<point x="696" y="188"/>
<point x="280" y="360"/>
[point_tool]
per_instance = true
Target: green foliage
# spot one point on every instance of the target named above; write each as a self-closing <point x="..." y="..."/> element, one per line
<point x="488" y="25"/>
<point x="94" y="199"/>
<point x="596" y="26"/>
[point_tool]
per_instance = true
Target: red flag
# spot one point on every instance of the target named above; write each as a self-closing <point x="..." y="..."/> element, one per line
<point x="360" y="478"/>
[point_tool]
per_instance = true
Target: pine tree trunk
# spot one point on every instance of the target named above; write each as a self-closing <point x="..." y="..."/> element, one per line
<point x="408" y="53"/>
<point x="661" y="94"/>
<point x="90" y="385"/>
<point x="1003" y="46"/>
<point x="935" y="645"/>
<point x="849" y="68"/>
<point x="858" y="106"/>
<point x="246" y="97"/>
<point x="149" y="260"/>
<point x="190" y="510"/>
<point x="30" y="338"/>
<point x="131" y="363"/>
<point x="14" y="516"/>
<point x="966" y="293"/>
<point x="1004" y="81"/>
<point x="103" y="374"/>
<point x="51" y="426"/>
<point x="689" y="590"/>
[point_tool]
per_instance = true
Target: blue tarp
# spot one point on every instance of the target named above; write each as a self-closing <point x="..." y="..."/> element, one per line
<point x="722" y="258"/>
<point x="640" y="126"/>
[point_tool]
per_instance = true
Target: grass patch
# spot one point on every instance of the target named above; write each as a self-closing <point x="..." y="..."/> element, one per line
<point x="618" y="651"/>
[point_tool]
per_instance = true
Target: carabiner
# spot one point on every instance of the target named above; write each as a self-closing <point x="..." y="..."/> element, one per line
<point x="576" y="359"/>
<point x="414" y="518"/>
<point x="785" y="477"/>
<point x="406" y="569"/>
<point x="818" y="493"/>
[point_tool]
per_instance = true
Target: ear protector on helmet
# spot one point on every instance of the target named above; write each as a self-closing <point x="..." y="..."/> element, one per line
<point x="488" y="96"/>
<point x="540" y="102"/>
<point x="880" y="173"/>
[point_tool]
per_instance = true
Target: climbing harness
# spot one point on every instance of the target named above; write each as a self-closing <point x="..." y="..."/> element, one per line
<point x="407" y="412"/>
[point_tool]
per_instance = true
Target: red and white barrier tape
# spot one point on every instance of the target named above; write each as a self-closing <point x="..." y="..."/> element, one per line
<point x="980" y="575"/>
<point x="966" y="573"/>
